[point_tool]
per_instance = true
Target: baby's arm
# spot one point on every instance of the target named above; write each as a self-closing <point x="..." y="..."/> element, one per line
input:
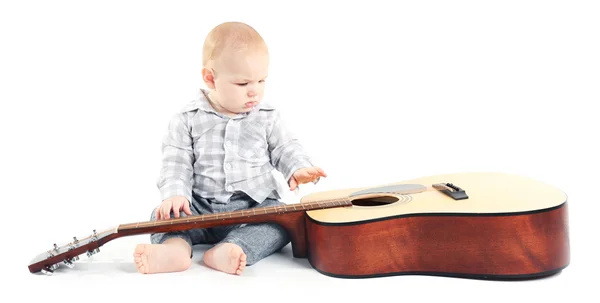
<point x="177" y="161"/>
<point x="287" y="154"/>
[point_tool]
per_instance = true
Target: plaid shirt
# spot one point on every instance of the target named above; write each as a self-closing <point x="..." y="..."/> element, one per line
<point x="212" y="155"/>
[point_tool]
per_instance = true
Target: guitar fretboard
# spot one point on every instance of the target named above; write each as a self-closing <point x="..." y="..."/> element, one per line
<point x="246" y="213"/>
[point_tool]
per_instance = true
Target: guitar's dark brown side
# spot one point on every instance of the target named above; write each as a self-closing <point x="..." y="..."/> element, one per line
<point x="481" y="246"/>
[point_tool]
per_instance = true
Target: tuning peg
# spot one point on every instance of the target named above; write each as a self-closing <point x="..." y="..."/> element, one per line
<point x="69" y="263"/>
<point x="93" y="252"/>
<point x="49" y="270"/>
<point x="55" y="247"/>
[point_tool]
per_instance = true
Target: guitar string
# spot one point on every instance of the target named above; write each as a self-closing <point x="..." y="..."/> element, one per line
<point x="241" y="213"/>
<point x="247" y="213"/>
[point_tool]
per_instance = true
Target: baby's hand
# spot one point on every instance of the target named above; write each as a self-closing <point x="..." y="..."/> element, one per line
<point x="305" y="175"/>
<point x="177" y="203"/>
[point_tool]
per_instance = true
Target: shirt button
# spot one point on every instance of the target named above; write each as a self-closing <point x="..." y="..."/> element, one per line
<point x="228" y="143"/>
<point x="228" y="165"/>
<point x="229" y="188"/>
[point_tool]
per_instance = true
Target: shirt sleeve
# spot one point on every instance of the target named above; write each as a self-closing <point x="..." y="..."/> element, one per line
<point x="176" y="174"/>
<point x="287" y="155"/>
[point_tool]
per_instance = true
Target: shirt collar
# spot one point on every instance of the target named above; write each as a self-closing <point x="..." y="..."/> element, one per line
<point x="202" y="103"/>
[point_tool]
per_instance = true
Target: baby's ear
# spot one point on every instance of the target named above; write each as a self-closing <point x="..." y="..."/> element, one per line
<point x="208" y="77"/>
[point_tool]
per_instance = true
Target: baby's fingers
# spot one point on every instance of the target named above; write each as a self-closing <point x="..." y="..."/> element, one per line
<point x="166" y="211"/>
<point x="176" y="209"/>
<point x="317" y="172"/>
<point x="186" y="208"/>
<point x="321" y="172"/>
<point x="293" y="184"/>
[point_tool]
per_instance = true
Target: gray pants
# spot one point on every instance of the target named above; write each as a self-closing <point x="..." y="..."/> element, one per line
<point x="256" y="240"/>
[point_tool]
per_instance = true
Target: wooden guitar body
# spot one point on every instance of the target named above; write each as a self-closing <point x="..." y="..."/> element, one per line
<point x="470" y="225"/>
<point x="510" y="227"/>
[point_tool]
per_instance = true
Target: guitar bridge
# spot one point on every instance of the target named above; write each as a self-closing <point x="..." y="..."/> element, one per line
<point x="451" y="190"/>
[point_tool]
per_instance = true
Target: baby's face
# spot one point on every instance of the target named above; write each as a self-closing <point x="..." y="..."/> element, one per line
<point x="240" y="80"/>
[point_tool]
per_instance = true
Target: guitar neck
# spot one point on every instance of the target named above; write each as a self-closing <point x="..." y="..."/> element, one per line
<point x="253" y="215"/>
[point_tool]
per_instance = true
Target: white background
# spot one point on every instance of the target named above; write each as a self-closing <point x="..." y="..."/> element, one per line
<point x="377" y="93"/>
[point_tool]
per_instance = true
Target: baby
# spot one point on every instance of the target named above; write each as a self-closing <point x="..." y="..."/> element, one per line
<point x="218" y="156"/>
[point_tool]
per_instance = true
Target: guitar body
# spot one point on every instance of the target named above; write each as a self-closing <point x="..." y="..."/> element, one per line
<point x="509" y="227"/>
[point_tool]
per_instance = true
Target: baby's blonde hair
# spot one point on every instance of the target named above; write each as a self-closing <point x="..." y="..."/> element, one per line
<point x="234" y="36"/>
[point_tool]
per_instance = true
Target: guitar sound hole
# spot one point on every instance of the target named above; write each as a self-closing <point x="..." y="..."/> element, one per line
<point x="378" y="201"/>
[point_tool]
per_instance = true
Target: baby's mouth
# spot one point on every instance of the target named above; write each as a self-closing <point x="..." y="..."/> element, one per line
<point x="250" y="104"/>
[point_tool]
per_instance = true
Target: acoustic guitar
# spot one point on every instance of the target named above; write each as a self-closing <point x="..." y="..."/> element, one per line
<point x="469" y="225"/>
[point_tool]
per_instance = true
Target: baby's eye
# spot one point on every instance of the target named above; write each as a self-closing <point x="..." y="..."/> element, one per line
<point x="241" y="84"/>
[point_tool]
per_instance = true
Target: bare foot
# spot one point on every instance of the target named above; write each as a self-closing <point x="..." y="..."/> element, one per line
<point x="226" y="257"/>
<point x="161" y="258"/>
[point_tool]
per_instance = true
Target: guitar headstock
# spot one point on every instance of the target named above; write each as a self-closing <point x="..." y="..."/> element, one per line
<point x="50" y="260"/>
